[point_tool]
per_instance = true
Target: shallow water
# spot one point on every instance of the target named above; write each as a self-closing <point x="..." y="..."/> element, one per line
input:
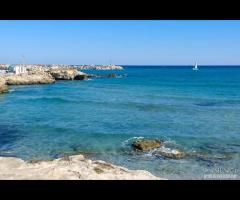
<point x="194" y="111"/>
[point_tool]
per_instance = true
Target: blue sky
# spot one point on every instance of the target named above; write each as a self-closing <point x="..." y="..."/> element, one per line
<point x="140" y="42"/>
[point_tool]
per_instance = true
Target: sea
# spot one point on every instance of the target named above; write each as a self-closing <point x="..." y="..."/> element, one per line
<point x="196" y="112"/>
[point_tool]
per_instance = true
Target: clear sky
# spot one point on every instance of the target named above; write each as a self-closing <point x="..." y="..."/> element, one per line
<point x="140" y="42"/>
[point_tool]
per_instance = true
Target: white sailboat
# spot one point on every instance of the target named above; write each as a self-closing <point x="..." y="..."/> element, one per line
<point x="195" y="67"/>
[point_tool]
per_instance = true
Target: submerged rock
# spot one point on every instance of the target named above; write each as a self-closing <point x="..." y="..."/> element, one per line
<point x="211" y="157"/>
<point x="170" y="153"/>
<point x="104" y="76"/>
<point x="112" y="76"/>
<point x="146" y="145"/>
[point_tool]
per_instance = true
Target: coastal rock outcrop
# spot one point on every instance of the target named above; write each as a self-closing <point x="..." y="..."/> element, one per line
<point x="45" y="75"/>
<point x="146" y="145"/>
<point x="69" y="168"/>
<point x="25" y="79"/>
<point x="37" y="70"/>
<point x="3" y="87"/>
<point x="64" y="74"/>
<point x="60" y="73"/>
<point x="82" y="76"/>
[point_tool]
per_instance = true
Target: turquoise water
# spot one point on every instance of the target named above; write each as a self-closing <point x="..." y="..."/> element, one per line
<point x="194" y="111"/>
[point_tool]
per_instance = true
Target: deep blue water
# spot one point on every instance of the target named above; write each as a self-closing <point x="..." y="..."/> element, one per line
<point x="194" y="111"/>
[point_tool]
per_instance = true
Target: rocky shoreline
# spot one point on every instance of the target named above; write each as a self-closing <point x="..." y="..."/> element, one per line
<point x="49" y="75"/>
<point x="75" y="167"/>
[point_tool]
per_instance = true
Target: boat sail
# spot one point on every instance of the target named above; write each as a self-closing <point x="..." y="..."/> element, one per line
<point x="195" y="67"/>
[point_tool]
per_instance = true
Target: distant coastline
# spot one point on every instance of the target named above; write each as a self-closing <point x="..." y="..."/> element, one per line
<point x="28" y="74"/>
<point x="79" y="67"/>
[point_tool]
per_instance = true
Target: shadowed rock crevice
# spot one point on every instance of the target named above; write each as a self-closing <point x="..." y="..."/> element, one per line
<point x="64" y="74"/>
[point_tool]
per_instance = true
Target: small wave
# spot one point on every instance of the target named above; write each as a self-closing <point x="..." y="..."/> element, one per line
<point x="206" y="104"/>
<point x="167" y="150"/>
<point x="127" y="142"/>
<point x="12" y="90"/>
<point x="147" y="107"/>
<point x="160" y="152"/>
<point x="169" y="141"/>
<point x="218" y="103"/>
<point x="53" y="100"/>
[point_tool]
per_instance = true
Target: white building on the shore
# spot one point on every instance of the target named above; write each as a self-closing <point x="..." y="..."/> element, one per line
<point x="17" y="69"/>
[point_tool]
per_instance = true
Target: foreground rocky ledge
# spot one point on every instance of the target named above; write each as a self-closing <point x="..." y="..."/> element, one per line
<point x="68" y="168"/>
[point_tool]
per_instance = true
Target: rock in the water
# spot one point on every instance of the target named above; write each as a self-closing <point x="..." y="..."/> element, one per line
<point x="146" y="145"/>
<point x="169" y="153"/>
<point x="112" y="76"/>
